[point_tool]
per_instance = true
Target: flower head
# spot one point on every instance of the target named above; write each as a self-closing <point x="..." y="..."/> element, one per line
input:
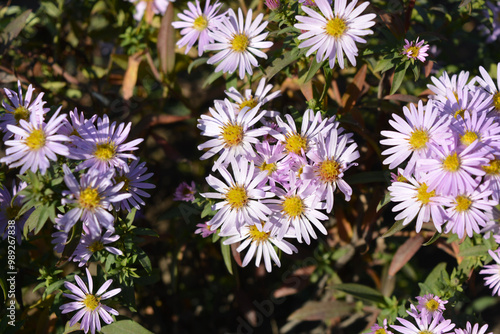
<point x="157" y="7"/>
<point x="10" y="205"/>
<point x="416" y="50"/>
<point x="204" y="230"/>
<point x="431" y="304"/>
<point x="133" y="183"/>
<point x="251" y="100"/>
<point x="90" y="244"/>
<point x="473" y="330"/>
<point x="493" y="270"/>
<point x="89" y="306"/>
<point x="185" y="192"/>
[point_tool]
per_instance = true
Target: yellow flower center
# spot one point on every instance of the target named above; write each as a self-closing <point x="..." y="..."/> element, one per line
<point x="336" y="27"/>
<point x="380" y="331"/>
<point x="251" y="103"/>
<point x="423" y="196"/>
<point x="269" y="167"/>
<point x="496" y="101"/>
<point x="328" y="171"/>
<point x="462" y="203"/>
<point x="257" y="235"/>
<point x="432" y="305"/>
<point x="200" y="23"/>
<point x="451" y="163"/>
<point x="237" y="197"/>
<point x="36" y="140"/>
<point x="232" y="134"/>
<point x="20" y="113"/>
<point x="296" y="143"/>
<point x="240" y="43"/>
<point x="12" y="212"/>
<point x="125" y="180"/>
<point x="89" y="198"/>
<point x="293" y="206"/>
<point x="91" y="302"/>
<point x="468" y="138"/>
<point x="96" y="246"/>
<point x="105" y="151"/>
<point x="493" y="168"/>
<point x="425" y="332"/>
<point x="413" y="51"/>
<point x="401" y="178"/>
<point x="459" y="112"/>
<point x="418" y="139"/>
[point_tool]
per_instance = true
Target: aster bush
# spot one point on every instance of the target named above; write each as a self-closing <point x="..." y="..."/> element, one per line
<point x="291" y="166"/>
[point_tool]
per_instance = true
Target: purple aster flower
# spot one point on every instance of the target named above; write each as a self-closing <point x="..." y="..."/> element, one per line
<point x="204" y="230"/>
<point x="399" y="177"/>
<point x="473" y="330"/>
<point x="232" y="134"/>
<point x="251" y="100"/>
<point x="487" y="83"/>
<point x="270" y="158"/>
<point x="421" y="128"/>
<point x="331" y="157"/>
<point x="185" y="192"/>
<point x="461" y="100"/>
<point x="238" y="41"/>
<point x="377" y="329"/>
<point x="91" y="198"/>
<point x="493" y="270"/>
<point x="36" y="144"/>
<point x="492" y="176"/>
<point x="334" y="33"/>
<point x="261" y="242"/>
<point x="196" y="25"/>
<point x="60" y="238"/>
<point x="103" y="147"/>
<point x="273" y="4"/>
<point x="494" y="33"/>
<point x="425" y="324"/>
<point x="431" y="304"/>
<point x="133" y="180"/>
<point x="21" y="109"/>
<point x="481" y="127"/>
<point x="10" y="205"/>
<point x="89" y="306"/>
<point x="444" y="82"/>
<point x="157" y="6"/>
<point x="90" y="244"/>
<point x="241" y="197"/>
<point x="416" y="50"/>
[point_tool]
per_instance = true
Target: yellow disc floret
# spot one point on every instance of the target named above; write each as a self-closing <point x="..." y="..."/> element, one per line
<point x="200" y="23"/>
<point x="89" y="198"/>
<point x="105" y="151"/>
<point x="423" y="196"/>
<point x="328" y="171"/>
<point x="232" y="134"/>
<point x="237" y="197"/>
<point x="20" y="113"/>
<point x="451" y="163"/>
<point x="335" y="27"/>
<point x="462" y="203"/>
<point x="250" y="103"/>
<point x="296" y="143"/>
<point x="493" y="168"/>
<point x="468" y="137"/>
<point x="96" y="246"/>
<point x="257" y="235"/>
<point x="36" y="140"/>
<point x="380" y="331"/>
<point x="293" y="206"/>
<point x="125" y="180"/>
<point x="432" y="305"/>
<point x="496" y="101"/>
<point x="459" y="112"/>
<point x="240" y="43"/>
<point x="270" y="168"/>
<point x="91" y="302"/>
<point x="418" y="139"/>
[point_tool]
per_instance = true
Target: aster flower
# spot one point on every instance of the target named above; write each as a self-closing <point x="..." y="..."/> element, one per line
<point x="273" y="4"/>
<point x="494" y="33"/>
<point x="252" y="100"/>
<point x="333" y="33"/>
<point x="462" y="100"/>
<point x="241" y="197"/>
<point x="185" y="192"/>
<point x="297" y="207"/>
<point x="133" y="184"/>
<point x="89" y="305"/>
<point x="196" y="25"/>
<point x="455" y="84"/>
<point x="416" y="50"/>
<point x="270" y="158"/>
<point x="233" y="135"/>
<point x="421" y="128"/>
<point x="103" y="147"/>
<point x="425" y="324"/>
<point x="468" y="211"/>
<point x="157" y="6"/>
<point x="21" y="108"/>
<point x="479" y="126"/>
<point x="415" y="200"/>
<point x="91" y="198"/>
<point x="492" y="176"/>
<point x="60" y="238"/>
<point x="261" y="242"/>
<point x="204" y="230"/>
<point x="431" y="304"/>
<point x="238" y="41"/>
<point x="331" y="158"/>
<point x="311" y="2"/>
<point x="10" y="205"/>
<point x="377" y="329"/>
<point x="493" y="270"/>
<point x="91" y="243"/>
<point x="487" y="83"/>
<point x="37" y="143"/>
<point x="473" y="330"/>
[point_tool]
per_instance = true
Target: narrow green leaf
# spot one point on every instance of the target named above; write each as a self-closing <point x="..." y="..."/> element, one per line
<point x="416" y="71"/>
<point x="474" y="251"/>
<point x="281" y="62"/>
<point x="211" y="78"/>
<point x="124" y="327"/>
<point x="144" y="260"/>
<point x="399" y="76"/>
<point x="361" y="291"/>
<point x="398" y="226"/>
<point x="32" y="221"/>
<point x="432" y="240"/>
<point x="313" y="69"/>
<point x="226" y="255"/>
<point x="437" y="275"/>
<point x="314" y="311"/>
<point x="386" y="200"/>
<point x="195" y="63"/>
<point x="12" y="30"/>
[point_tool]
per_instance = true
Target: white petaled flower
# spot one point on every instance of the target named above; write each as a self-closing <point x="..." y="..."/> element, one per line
<point x="251" y="100"/>
<point x="90" y="244"/>
<point x="241" y="197"/>
<point x="455" y="84"/>
<point x="334" y="33"/>
<point x="157" y="7"/>
<point x="21" y="108"/>
<point x="36" y="144"/>
<point x="331" y="157"/>
<point x="493" y="270"/>
<point x="196" y="25"/>
<point x="473" y="330"/>
<point x="431" y="304"/>
<point x="233" y="134"/>
<point x="238" y="41"/>
<point x="261" y="242"/>
<point x="89" y="306"/>
<point x="133" y="183"/>
<point x="425" y="325"/>
<point x="487" y="83"/>
<point x="103" y="147"/>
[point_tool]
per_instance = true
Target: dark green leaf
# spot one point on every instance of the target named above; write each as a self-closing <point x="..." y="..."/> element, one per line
<point x="12" y="30"/>
<point x="313" y="69"/>
<point x="399" y="76"/>
<point x="398" y="226"/>
<point x="144" y="260"/>
<point x="125" y="327"/>
<point x="434" y="238"/>
<point x="197" y="62"/>
<point x="281" y="62"/>
<point x="474" y="251"/>
<point x="361" y="291"/>
<point x="314" y="311"/>
<point x="386" y="200"/>
<point x="226" y="254"/>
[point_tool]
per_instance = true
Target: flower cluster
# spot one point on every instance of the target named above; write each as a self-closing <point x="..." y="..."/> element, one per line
<point x="447" y="152"/>
<point x="277" y="179"/>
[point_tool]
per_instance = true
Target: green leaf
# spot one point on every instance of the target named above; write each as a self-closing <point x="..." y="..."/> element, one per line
<point x="315" y="66"/>
<point x="207" y="210"/>
<point x="281" y="62"/>
<point x="437" y="276"/>
<point x="144" y="260"/>
<point x="384" y="65"/>
<point x="195" y="63"/>
<point x="211" y="78"/>
<point x="12" y="30"/>
<point x="399" y="76"/>
<point x="434" y="238"/>
<point x="398" y="226"/>
<point x="226" y="255"/>
<point x="215" y="237"/>
<point x="145" y="231"/>
<point x="479" y="250"/>
<point x="361" y="291"/>
<point x="416" y="71"/>
<point x="36" y="220"/>
<point x="124" y="327"/>
<point x="314" y="311"/>
<point x="386" y="200"/>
